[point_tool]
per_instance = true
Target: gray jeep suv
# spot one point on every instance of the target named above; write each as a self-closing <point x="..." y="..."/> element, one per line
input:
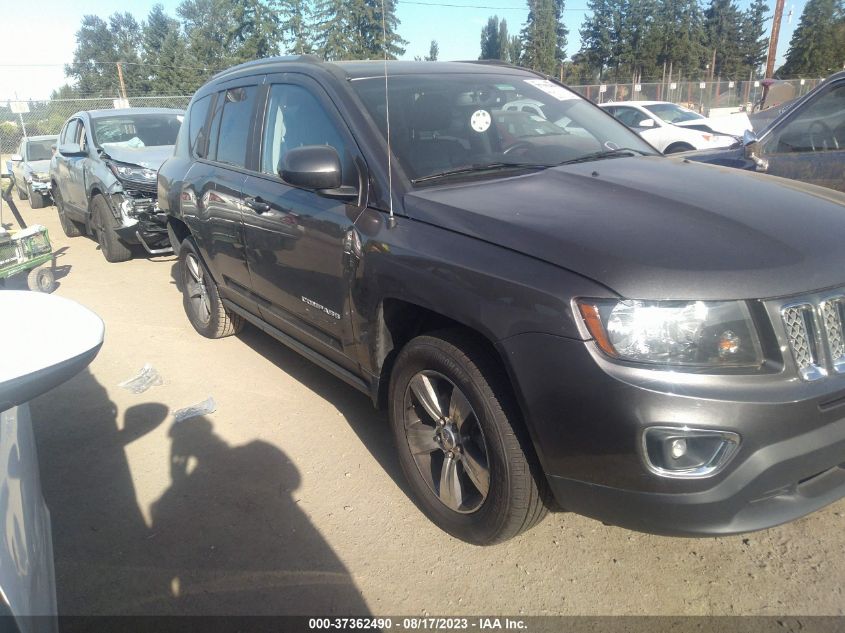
<point x="547" y="313"/>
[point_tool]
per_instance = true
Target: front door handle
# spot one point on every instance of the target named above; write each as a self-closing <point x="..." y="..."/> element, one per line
<point x="257" y="204"/>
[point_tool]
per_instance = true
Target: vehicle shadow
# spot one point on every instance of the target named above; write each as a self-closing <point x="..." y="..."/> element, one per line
<point x="369" y="424"/>
<point x="226" y="536"/>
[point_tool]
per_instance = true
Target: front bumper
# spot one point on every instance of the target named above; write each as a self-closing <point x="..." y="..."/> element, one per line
<point x="43" y="188"/>
<point x="586" y="416"/>
<point x="142" y="223"/>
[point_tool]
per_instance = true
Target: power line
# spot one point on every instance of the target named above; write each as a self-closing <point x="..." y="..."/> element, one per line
<point x="474" y="6"/>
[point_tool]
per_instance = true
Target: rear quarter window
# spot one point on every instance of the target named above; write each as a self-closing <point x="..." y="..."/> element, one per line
<point x="198" y="128"/>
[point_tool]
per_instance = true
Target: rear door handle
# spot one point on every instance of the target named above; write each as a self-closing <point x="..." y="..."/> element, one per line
<point x="257" y="204"/>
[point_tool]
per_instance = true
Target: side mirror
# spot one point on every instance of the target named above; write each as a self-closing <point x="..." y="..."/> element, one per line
<point x="311" y="167"/>
<point x="751" y="145"/>
<point x="315" y="167"/>
<point x="16" y="158"/>
<point x="54" y="339"/>
<point x="646" y="123"/>
<point x="71" y="150"/>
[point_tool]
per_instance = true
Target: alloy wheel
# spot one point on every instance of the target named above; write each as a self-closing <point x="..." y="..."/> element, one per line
<point x="446" y="441"/>
<point x="196" y="289"/>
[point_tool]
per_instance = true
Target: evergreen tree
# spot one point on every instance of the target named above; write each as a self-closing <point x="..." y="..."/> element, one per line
<point x="211" y="32"/>
<point x="723" y="21"/>
<point x="334" y="25"/>
<point x="597" y="37"/>
<point x="504" y="40"/>
<point x="296" y="25"/>
<point x="754" y="40"/>
<point x="257" y="31"/>
<point x="544" y="36"/>
<point x="514" y="49"/>
<point x="817" y="47"/>
<point x="491" y="45"/>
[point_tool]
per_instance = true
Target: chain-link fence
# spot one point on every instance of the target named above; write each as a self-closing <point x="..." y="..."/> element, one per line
<point x="47" y="117"/>
<point x="701" y="96"/>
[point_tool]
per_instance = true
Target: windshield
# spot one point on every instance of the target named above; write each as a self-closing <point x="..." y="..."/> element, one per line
<point x="672" y="113"/>
<point x="40" y="150"/>
<point x="138" y="130"/>
<point x="446" y="122"/>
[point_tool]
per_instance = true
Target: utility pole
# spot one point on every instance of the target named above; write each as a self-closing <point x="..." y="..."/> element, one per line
<point x="773" y="39"/>
<point x="123" y="85"/>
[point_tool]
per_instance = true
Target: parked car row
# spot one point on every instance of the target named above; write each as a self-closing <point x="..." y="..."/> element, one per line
<point x="551" y="310"/>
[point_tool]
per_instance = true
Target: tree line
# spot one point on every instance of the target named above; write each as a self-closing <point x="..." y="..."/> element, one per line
<point x="621" y="41"/>
<point x="655" y="40"/>
<point x="165" y="53"/>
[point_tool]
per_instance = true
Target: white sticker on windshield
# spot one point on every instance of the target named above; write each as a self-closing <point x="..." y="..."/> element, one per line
<point x="558" y="92"/>
<point x="480" y="121"/>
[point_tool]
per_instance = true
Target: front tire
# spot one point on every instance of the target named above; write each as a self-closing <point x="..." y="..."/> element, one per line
<point x="114" y="249"/>
<point x="461" y="443"/>
<point x="201" y="299"/>
<point x="21" y="192"/>
<point x="36" y="200"/>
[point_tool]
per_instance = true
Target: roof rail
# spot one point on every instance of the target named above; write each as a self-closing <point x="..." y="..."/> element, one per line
<point x="268" y="60"/>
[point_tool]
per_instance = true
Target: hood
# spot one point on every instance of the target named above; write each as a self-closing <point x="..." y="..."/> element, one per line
<point x="150" y="157"/>
<point x="39" y="166"/>
<point x="655" y="227"/>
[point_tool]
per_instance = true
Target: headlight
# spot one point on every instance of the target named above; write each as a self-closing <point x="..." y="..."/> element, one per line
<point x="41" y="177"/>
<point x="688" y="333"/>
<point x="132" y="172"/>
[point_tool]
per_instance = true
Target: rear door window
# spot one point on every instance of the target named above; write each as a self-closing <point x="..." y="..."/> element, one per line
<point x="233" y="127"/>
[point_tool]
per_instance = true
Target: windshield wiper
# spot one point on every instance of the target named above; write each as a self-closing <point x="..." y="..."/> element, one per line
<point x="608" y="153"/>
<point x="479" y="168"/>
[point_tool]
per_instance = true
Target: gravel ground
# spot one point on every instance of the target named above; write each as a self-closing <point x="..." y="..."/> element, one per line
<point x="288" y="498"/>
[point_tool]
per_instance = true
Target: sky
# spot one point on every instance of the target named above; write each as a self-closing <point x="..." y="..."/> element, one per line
<point x="32" y="53"/>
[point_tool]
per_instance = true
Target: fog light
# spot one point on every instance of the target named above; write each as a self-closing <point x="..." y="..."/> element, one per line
<point x="687" y="453"/>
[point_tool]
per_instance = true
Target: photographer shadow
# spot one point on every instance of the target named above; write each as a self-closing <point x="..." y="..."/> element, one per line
<point x="227" y="536"/>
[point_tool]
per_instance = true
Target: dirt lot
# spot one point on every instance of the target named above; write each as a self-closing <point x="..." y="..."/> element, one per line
<point x="288" y="498"/>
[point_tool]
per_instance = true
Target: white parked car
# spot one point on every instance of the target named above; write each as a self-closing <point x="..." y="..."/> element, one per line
<point x="50" y="340"/>
<point x="671" y="128"/>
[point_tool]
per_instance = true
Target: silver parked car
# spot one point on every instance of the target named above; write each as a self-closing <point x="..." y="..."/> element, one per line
<point x="30" y="169"/>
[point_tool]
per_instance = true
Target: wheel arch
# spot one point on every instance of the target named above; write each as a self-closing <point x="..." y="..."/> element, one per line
<point x="678" y="146"/>
<point x="398" y="321"/>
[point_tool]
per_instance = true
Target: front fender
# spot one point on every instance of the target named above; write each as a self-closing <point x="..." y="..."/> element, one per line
<point x="496" y="292"/>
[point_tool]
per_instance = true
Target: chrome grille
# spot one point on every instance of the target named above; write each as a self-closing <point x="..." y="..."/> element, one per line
<point x="831" y="314"/>
<point x="815" y="332"/>
<point x="798" y="321"/>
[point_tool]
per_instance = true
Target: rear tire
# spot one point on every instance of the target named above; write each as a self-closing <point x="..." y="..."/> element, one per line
<point x="201" y="299"/>
<point x="41" y="279"/>
<point x="114" y="249"/>
<point x="464" y="449"/>
<point x="69" y="227"/>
